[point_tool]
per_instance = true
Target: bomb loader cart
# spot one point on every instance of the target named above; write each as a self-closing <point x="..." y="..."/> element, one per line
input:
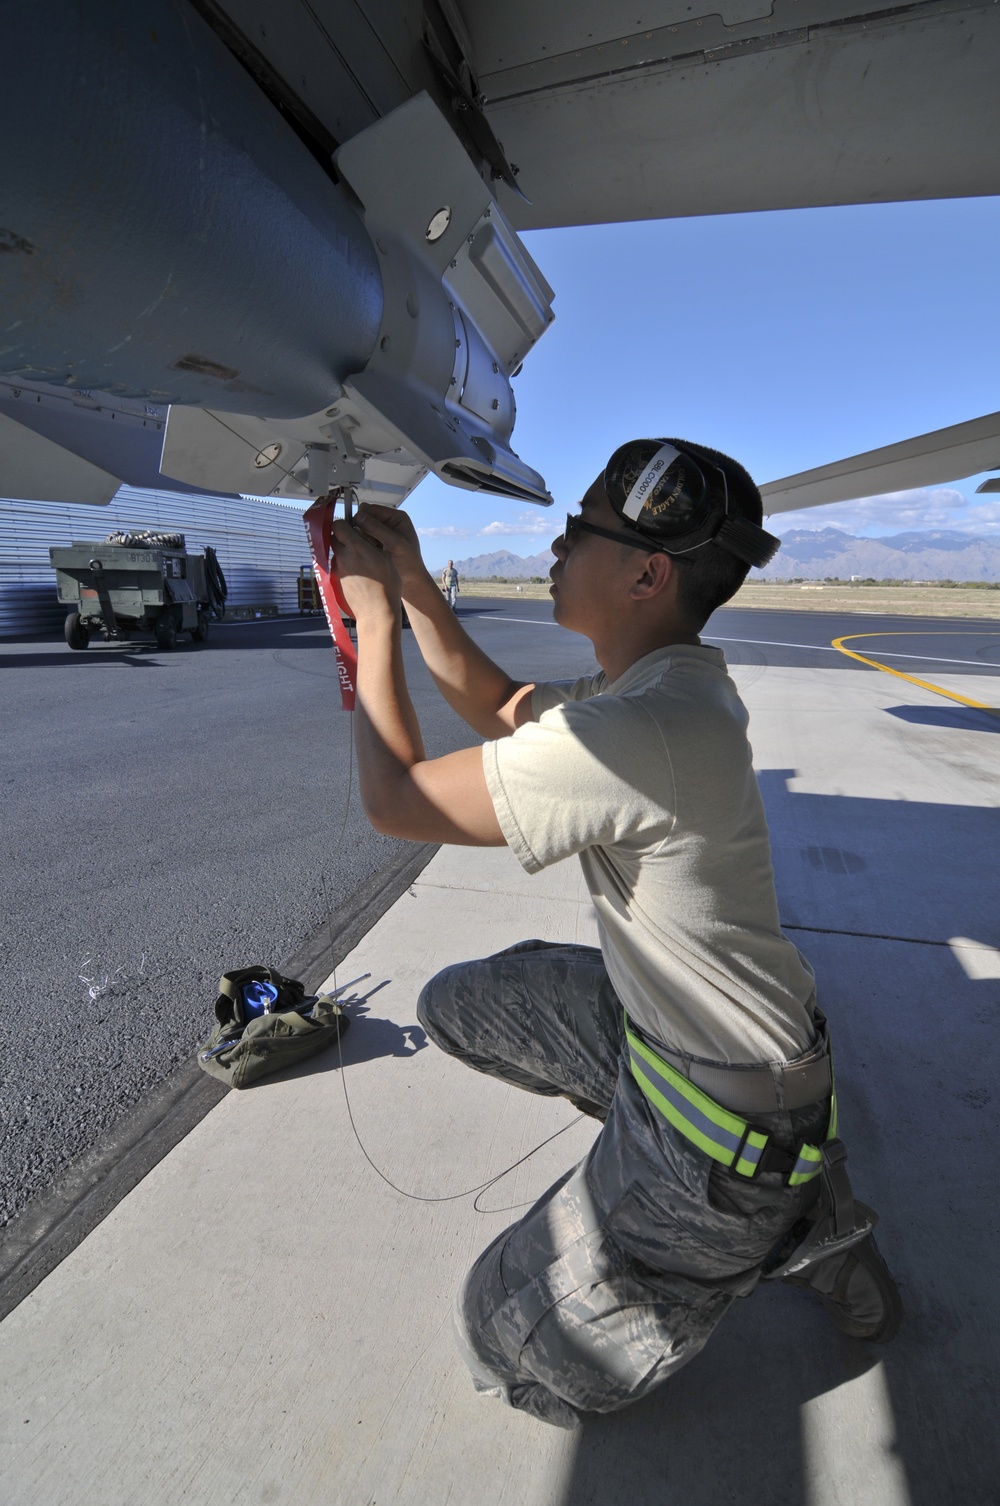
<point x="133" y="584"/>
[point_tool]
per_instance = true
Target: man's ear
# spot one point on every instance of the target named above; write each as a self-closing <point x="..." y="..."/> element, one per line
<point x="658" y="575"/>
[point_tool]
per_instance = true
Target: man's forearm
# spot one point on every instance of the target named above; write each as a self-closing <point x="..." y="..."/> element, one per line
<point x="471" y="683"/>
<point x="386" y="730"/>
<point x="403" y="794"/>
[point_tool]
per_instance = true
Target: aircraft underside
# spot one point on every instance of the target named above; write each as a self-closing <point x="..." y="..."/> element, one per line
<point x="273" y="248"/>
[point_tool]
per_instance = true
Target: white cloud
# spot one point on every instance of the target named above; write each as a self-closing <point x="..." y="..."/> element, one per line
<point x="924" y="508"/>
<point x="526" y="523"/>
<point x="985" y="515"/>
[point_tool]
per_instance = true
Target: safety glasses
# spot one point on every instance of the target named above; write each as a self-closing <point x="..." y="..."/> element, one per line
<point x="576" y="525"/>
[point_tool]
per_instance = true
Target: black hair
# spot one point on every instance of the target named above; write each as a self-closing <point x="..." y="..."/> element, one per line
<point x="709" y="576"/>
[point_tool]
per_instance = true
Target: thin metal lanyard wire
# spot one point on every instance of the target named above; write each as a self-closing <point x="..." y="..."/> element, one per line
<point x="449" y="1197"/>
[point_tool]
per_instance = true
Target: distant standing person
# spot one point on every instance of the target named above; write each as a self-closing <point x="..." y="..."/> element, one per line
<point x="449" y="584"/>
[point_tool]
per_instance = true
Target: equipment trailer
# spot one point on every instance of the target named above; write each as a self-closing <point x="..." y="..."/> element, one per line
<point x="136" y="583"/>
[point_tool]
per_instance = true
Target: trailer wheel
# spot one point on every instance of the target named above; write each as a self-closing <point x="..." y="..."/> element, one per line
<point x="166" y="631"/>
<point x="75" y="633"/>
<point x="200" y="632"/>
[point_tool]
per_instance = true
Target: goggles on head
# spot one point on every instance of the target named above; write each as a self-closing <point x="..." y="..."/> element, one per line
<point x="680" y="503"/>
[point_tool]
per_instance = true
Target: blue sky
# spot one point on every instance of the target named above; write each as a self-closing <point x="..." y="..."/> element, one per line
<point x="787" y="339"/>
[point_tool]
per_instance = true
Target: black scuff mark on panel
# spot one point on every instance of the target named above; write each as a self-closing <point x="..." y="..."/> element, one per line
<point x="202" y="366"/>
<point x="15" y="244"/>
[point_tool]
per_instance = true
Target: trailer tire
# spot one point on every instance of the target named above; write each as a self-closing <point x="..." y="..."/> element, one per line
<point x="166" y="631"/>
<point x="75" y="633"/>
<point x="200" y="632"/>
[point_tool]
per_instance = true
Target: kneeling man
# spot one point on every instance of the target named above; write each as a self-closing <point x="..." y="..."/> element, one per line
<point x="693" y="1032"/>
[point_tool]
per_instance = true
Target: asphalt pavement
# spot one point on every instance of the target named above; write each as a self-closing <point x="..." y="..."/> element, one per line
<point x="923" y="646"/>
<point x="169" y="816"/>
<point x="276" y="1287"/>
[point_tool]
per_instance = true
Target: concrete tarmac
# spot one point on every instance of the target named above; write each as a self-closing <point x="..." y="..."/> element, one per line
<point x="168" y="816"/>
<point x="280" y="1313"/>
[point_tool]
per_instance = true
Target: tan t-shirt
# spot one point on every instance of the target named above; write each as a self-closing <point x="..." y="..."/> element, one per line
<point x="650" y="780"/>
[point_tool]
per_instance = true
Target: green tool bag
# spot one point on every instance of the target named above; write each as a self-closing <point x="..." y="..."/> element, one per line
<point x="247" y="1045"/>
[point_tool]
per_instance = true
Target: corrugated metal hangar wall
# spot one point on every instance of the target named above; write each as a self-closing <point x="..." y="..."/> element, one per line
<point x="260" y="545"/>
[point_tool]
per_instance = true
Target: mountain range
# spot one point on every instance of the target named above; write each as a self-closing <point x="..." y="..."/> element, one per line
<point x="502" y="562"/>
<point x="816" y="553"/>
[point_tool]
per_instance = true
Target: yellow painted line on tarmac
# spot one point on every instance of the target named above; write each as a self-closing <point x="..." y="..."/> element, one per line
<point x="951" y="695"/>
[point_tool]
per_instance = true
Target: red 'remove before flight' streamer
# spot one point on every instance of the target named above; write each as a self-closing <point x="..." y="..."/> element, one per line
<point x="318" y="519"/>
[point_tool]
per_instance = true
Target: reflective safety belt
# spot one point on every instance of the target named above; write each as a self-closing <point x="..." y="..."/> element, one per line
<point x="318" y="519"/>
<point x="724" y="1136"/>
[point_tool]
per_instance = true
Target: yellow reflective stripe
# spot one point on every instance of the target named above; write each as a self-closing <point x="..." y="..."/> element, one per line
<point x="731" y="1128"/>
<point x="676" y="1118"/>
<point x="699" y="1100"/>
<point x="747" y="1168"/>
<point x="810" y="1158"/>
<point x="808" y="1165"/>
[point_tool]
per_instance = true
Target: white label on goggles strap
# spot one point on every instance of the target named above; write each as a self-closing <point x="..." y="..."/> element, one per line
<point x="661" y="461"/>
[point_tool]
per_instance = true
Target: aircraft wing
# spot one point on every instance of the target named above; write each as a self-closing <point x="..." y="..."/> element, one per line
<point x="710" y="108"/>
<point x="671" y="108"/>
<point x="295" y="224"/>
<point x="928" y="460"/>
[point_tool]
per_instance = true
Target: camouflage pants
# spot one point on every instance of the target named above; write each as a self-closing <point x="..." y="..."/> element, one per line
<point x="619" y="1273"/>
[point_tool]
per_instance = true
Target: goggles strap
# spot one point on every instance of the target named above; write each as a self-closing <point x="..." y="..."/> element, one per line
<point x="661" y="462"/>
<point x="749" y="542"/>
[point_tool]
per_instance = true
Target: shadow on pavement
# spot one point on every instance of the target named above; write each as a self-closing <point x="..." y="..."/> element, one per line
<point x="270" y="633"/>
<point x="962" y="718"/>
<point x="781" y="1409"/>
<point x="727" y="1429"/>
<point x="373" y="1037"/>
<point x="368" y="1038"/>
<point x="138" y="656"/>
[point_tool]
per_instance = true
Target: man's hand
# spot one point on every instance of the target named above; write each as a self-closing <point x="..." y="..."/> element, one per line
<point x="404" y="794"/>
<point x="395" y="532"/>
<point x="378" y="561"/>
<point x="366" y="571"/>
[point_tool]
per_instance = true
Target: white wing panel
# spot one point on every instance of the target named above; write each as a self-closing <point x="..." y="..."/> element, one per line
<point x="928" y="460"/>
<point x="36" y="469"/>
<point x="815" y="103"/>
